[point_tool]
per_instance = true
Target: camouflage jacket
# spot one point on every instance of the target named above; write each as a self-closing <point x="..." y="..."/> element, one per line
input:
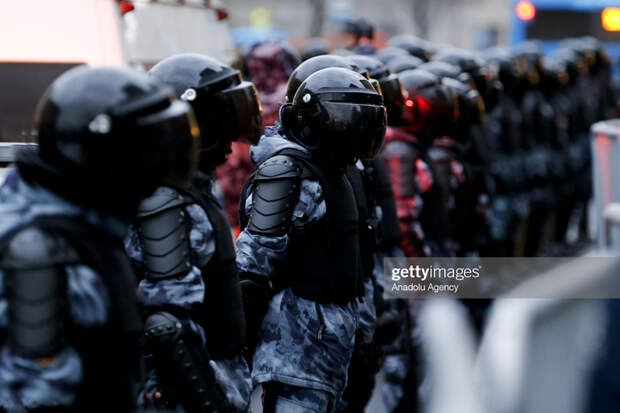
<point x="25" y="382"/>
<point x="301" y="343"/>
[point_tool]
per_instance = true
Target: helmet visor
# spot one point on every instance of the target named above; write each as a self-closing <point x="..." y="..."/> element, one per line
<point x="356" y="130"/>
<point x="244" y="112"/>
<point x="393" y="96"/>
<point x="175" y="134"/>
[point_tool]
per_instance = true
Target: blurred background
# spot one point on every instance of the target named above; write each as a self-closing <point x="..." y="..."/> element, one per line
<point x="42" y="38"/>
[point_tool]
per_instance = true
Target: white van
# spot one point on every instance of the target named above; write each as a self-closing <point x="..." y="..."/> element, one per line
<point x="154" y="30"/>
<point x="43" y="38"/>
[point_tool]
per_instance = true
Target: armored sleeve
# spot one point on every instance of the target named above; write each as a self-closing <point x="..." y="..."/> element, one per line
<point x="260" y="254"/>
<point x="163" y="227"/>
<point x="276" y="191"/>
<point x="36" y="291"/>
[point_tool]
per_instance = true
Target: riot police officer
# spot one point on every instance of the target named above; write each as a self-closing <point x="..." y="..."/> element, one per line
<point x="509" y="209"/>
<point x="182" y="246"/>
<point x="69" y="322"/>
<point x="422" y="212"/>
<point x="421" y="208"/>
<point x="379" y="318"/>
<point x="362" y="34"/>
<point x="300" y="248"/>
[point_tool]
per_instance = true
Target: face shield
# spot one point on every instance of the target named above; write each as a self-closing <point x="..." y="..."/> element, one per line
<point x="174" y="132"/>
<point x="242" y="111"/>
<point x="393" y="96"/>
<point x="353" y="130"/>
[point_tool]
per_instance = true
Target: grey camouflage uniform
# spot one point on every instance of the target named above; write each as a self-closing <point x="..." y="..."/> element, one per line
<point x="301" y="343"/>
<point x="25" y="382"/>
<point x="233" y="374"/>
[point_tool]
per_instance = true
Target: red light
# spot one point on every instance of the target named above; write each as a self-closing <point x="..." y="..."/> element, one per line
<point x="409" y="103"/>
<point x="525" y="10"/>
<point x="457" y="113"/>
<point x="222" y="14"/>
<point x="125" y="7"/>
<point x="423" y="105"/>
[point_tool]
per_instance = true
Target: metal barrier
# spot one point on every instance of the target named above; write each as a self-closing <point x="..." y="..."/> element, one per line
<point x="536" y="355"/>
<point x="606" y="180"/>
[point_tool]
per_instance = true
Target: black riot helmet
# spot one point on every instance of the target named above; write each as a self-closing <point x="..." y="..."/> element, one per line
<point x="388" y="53"/>
<point x="227" y="108"/>
<point x="583" y="49"/>
<point x="394" y="94"/>
<point x="314" y="64"/>
<point x="108" y="137"/>
<point x="338" y="116"/>
<point x="530" y="55"/>
<point x="401" y="63"/>
<point x="470" y="106"/>
<point x="476" y="67"/>
<point x="360" y="28"/>
<point x="443" y="70"/>
<point x="430" y="106"/>
<point x="467" y="62"/>
<point x="505" y="67"/>
<point x="415" y="46"/>
<point x="571" y="62"/>
<point x="602" y="59"/>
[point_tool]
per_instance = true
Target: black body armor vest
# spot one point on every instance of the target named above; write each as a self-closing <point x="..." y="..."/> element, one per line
<point x="323" y="263"/>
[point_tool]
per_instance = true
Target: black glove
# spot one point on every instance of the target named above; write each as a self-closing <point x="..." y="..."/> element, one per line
<point x="256" y="291"/>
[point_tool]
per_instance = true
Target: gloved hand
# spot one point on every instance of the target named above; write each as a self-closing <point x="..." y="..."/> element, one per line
<point x="256" y="290"/>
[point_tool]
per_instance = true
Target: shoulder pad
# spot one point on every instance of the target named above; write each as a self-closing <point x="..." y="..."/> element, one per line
<point x="278" y="167"/>
<point x="33" y="248"/>
<point x="36" y="291"/>
<point x="276" y="190"/>
<point x="162" y="199"/>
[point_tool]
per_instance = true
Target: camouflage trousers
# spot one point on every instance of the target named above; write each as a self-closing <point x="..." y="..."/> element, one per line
<point x="283" y="398"/>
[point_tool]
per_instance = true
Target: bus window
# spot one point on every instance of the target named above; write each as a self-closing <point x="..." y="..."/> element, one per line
<point x="562" y="24"/>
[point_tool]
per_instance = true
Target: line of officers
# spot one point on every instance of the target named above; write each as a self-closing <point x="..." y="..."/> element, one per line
<point x="121" y="287"/>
